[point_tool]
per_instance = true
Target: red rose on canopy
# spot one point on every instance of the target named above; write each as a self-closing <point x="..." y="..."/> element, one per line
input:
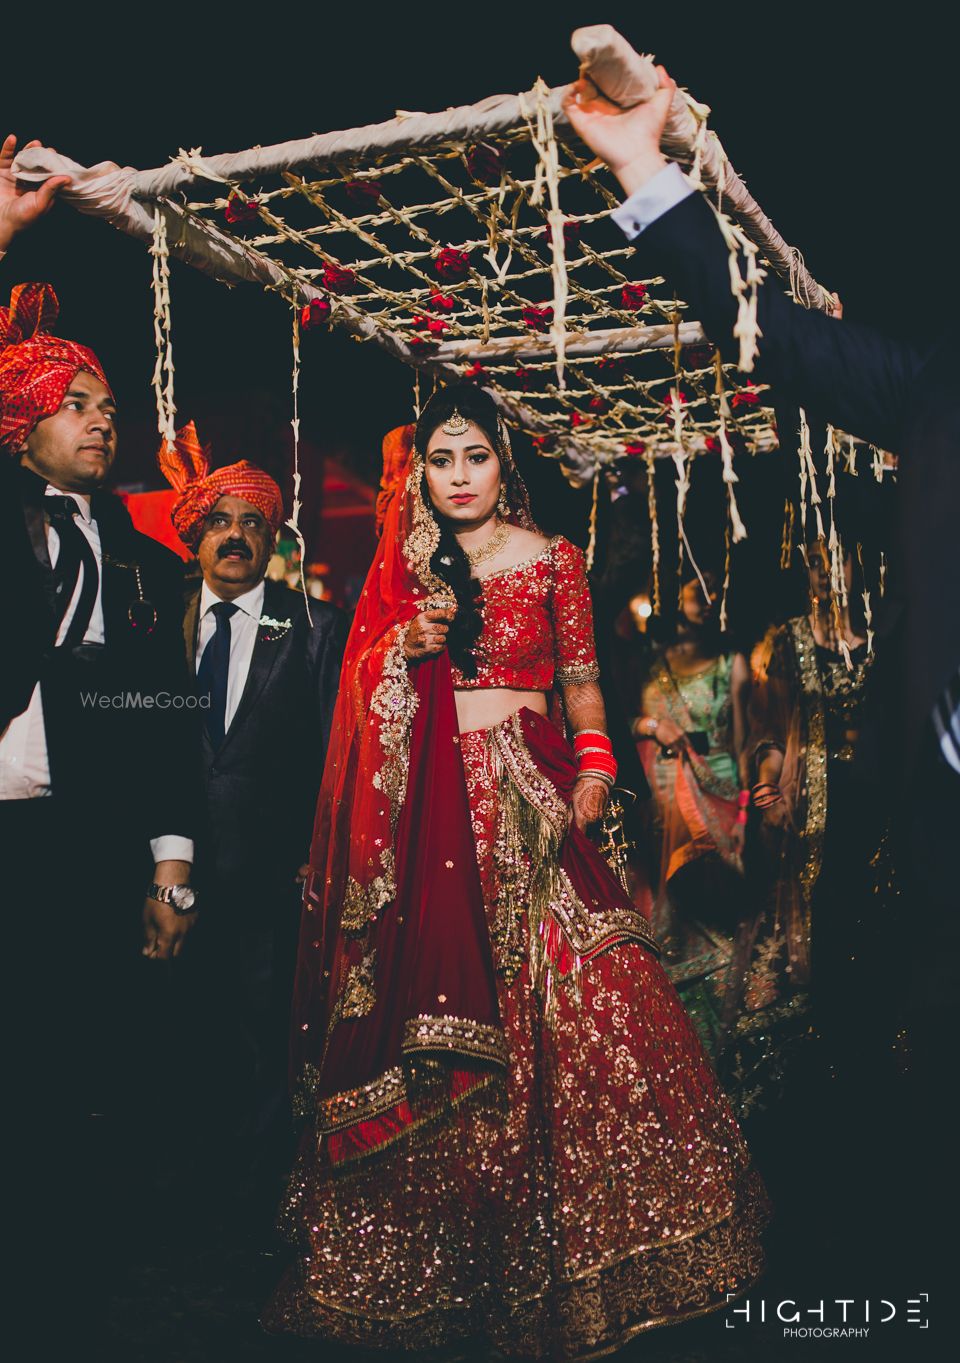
<point x="484" y="163"/>
<point x="712" y="444"/>
<point x="421" y="345"/>
<point x="545" y="443"/>
<point x="635" y="447"/>
<point x="315" y="312"/>
<point x="746" y="397"/>
<point x="599" y="404"/>
<point x="366" y="193"/>
<point x="579" y="419"/>
<point x="571" y="233"/>
<point x="477" y="373"/>
<point x="612" y="365"/>
<point x="452" y="264"/>
<point x="697" y="356"/>
<point x="632" y="296"/>
<point x="338" y="278"/>
<point x="524" y="378"/>
<point x="538" y="319"/>
<point x="668" y="406"/>
<point x="239" y="209"/>
<point x="442" y="302"/>
<point x="422" y="323"/>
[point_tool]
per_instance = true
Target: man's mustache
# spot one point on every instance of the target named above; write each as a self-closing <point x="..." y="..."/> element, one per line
<point x="234" y="547"/>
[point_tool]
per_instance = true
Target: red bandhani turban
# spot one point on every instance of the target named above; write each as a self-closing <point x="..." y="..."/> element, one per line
<point x="397" y="445"/>
<point x="36" y="369"/>
<point x="186" y="466"/>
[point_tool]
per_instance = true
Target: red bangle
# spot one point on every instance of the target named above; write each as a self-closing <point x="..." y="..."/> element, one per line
<point x="743" y="799"/>
<point x="591" y="738"/>
<point x="741" y="816"/>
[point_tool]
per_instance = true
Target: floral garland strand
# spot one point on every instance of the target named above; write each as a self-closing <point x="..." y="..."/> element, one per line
<point x="544" y="140"/>
<point x="294" y="519"/>
<point x="162" y="330"/>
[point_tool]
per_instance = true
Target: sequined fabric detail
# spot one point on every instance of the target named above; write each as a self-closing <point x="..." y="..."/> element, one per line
<point x="537" y="624"/>
<point x="608" y="1193"/>
<point x="426" y="1033"/>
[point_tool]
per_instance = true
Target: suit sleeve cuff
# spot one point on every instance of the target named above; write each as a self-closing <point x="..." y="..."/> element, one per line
<point x="171" y="847"/>
<point x="661" y="193"/>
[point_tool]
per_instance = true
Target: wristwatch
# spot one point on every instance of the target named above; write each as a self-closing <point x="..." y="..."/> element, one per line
<point x="181" y="898"/>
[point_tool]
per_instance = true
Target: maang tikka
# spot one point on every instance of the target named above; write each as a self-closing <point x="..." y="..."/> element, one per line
<point x="455" y="424"/>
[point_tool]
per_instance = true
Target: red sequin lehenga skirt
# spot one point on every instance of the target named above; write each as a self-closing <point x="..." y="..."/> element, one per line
<point x="613" y="1192"/>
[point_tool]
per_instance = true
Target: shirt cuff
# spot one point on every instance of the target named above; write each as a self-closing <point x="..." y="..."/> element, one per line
<point x="661" y="193"/>
<point x="171" y="847"/>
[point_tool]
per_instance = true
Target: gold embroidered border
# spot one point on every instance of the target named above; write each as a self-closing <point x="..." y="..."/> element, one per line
<point x="361" y="1104"/>
<point x="421" y="543"/>
<point x="362" y="903"/>
<point x="359" y="995"/>
<point x="588" y="933"/>
<point x="535" y="788"/>
<point x="576" y="674"/>
<point x="395" y="701"/>
<point x="429" y="1033"/>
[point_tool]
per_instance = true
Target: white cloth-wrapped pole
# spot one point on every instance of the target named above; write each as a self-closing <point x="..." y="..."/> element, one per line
<point x="627" y="78"/>
<point x="579" y="344"/>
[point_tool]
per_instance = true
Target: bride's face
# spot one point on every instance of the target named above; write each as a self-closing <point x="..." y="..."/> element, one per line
<point x="463" y="476"/>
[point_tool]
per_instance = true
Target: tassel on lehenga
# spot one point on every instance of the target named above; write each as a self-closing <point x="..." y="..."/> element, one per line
<point x="530" y="882"/>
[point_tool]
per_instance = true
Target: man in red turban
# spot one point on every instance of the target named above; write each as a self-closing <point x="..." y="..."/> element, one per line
<point x="186" y="466"/>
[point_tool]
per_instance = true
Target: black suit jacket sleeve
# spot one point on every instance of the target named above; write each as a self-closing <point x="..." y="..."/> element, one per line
<point x="169" y="783"/>
<point x="328" y="640"/>
<point x="854" y="376"/>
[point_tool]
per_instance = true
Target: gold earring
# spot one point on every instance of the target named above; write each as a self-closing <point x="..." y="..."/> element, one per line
<point x="503" y="506"/>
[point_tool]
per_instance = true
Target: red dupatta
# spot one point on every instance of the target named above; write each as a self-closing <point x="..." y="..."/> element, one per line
<point x="395" y="1014"/>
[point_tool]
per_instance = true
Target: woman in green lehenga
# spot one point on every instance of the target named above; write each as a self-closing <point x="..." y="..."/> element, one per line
<point x="690" y="734"/>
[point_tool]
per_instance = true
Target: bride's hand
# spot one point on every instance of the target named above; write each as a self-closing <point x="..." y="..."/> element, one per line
<point x="427" y="633"/>
<point x="589" y="801"/>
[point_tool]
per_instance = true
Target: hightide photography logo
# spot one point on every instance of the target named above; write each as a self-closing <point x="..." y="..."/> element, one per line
<point x="841" y="1318"/>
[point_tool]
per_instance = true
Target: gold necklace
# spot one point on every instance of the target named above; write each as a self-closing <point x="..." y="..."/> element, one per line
<point x="489" y="547"/>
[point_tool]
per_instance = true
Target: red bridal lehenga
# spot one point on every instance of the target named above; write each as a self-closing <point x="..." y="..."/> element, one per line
<point x="511" y="1130"/>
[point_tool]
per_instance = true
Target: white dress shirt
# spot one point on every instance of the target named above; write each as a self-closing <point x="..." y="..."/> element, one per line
<point x="244" y="625"/>
<point x="662" y="192"/>
<point x="24" y="762"/>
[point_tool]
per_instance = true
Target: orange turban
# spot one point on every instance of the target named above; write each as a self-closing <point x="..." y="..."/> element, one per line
<point x="36" y="369"/>
<point x="186" y="467"/>
<point x="397" y="445"/>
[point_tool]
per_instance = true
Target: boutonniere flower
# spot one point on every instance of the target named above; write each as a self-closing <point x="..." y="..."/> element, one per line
<point x="271" y="629"/>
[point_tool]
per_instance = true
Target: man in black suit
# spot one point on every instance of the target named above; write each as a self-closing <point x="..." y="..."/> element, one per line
<point x="269" y="660"/>
<point x="904" y="399"/>
<point x="98" y="797"/>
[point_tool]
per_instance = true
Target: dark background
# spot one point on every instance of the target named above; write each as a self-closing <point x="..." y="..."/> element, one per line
<point x="839" y="119"/>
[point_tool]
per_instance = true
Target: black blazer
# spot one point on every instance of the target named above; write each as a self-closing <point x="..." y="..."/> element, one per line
<point x="130" y="765"/>
<point x="260" y="787"/>
<point x="895" y="394"/>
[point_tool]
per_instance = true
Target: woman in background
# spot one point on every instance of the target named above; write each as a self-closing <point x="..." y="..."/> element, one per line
<point x="691" y="734"/>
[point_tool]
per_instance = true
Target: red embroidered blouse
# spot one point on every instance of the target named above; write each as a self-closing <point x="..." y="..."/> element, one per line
<point x="537" y="624"/>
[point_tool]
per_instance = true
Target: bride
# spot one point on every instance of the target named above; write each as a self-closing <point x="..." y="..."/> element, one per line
<point x="511" y="1129"/>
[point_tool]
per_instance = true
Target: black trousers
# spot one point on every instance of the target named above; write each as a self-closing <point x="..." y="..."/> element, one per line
<point x="79" y="1049"/>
